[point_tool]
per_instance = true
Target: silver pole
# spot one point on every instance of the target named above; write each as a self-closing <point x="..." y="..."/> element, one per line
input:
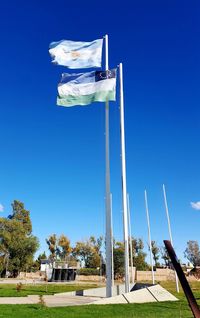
<point x="170" y="232"/>
<point x="113" y="282"/>
<point x="130" y="238"/>
<point x="100" y="269"/>
<point x="149" y="235"/>
<point x="124" y="192"/>
<point x="108" y="203"/>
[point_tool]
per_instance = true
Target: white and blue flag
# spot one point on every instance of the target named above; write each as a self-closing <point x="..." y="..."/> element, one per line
<point x="86" y="88"/>
<point x="77" y="54"/>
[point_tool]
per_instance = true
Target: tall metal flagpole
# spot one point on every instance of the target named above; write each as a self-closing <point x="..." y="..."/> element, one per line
<point x="108" y="203"/>
<point x="149" y="235"/>
<point x="124" y="191"/>
<point x="130" y="238"/>
<point x="113" y="281"/>
<point x="170" y="232"/>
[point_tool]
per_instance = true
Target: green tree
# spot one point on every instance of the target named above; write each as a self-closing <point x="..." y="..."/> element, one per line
<point x="165" y="256"/>
<point x="52" y="244"/>
<point x="118" y="257"/>
<point x="36" y="264"/>
<point x="17" y="244"/>
<point x="42" y="256"/>
<point x="192" y="253"/>
<point x="155" y="252"/>
<point x="63" y="247"/>
<point x="88" y="252"/>
<point x="96" y="243"/>
<point x="1" y="264"/>
<point x="20" y="214"/>
<point x="138" y="256"/>
<point x="59" y="247"/>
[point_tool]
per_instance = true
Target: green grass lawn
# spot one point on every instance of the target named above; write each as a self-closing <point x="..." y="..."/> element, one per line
<point x="178" y="309"/>
<point x="151" y="310"/>
<point x="9" y="290"/>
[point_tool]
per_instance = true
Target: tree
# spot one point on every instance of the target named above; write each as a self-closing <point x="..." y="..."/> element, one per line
<point x="118" y="257"/>
<point x="1" y="264"/>
<point x="165" y="256"/>
<point x="192" y="253"/>
<point x="36" y="264"/>
<point x="138" y="256"/>
<point x="88" y="252"/>
<point x="59" y="247"/>
<point x="17" y="244"/>
<point x="96" y="243"/>
<point x="155" y="252"/>
<point x="63" y="248"/>
<point x="20" y="214"/>
<point x="52" y="244"/>
<point x="42" y="256"/>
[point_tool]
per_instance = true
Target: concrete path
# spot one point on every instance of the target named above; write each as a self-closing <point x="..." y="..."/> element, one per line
<point x="19" y="300"/>
<point x="55" y="301"/>
<point x="50" y="300"/>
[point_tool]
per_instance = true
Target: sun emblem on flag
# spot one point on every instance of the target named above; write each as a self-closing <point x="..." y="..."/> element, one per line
<point x="105" y="75"/>
<point x="75" y="54"/>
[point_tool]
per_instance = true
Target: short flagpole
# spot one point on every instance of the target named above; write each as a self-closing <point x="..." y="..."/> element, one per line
<point x="108" y="203"/>
<point x="124" y="191"/>
<point x="130" y="238"/>
<point x="149" y="235"/>
<point x="170" y="232"/>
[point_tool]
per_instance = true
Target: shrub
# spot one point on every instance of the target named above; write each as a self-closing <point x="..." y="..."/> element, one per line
<point x="42" y="301"/>
<point x="19" y="287"/>
<point x="88" y="271"/>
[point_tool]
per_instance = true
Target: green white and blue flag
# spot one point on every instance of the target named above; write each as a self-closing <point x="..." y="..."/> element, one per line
<point x="77" y="54"/>
<point x="85" y="88"/>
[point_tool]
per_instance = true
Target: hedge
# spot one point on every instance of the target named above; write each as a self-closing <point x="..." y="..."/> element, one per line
<point x="88" y="271"/>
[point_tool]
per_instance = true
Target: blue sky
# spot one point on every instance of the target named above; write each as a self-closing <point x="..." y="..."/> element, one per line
<point x="53" y="158"/>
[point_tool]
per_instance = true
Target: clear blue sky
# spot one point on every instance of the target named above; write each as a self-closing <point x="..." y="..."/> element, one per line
<point x="53" y="158"/>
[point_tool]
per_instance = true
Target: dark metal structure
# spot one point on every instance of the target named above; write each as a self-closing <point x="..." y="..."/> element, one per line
<point x="184" y="283"/>
<point x="63" y="274"/>
<point x="60" y="271"/>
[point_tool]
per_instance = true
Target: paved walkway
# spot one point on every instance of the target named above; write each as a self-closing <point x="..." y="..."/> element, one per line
<point x="50" y="300"/>
<point x="55" y="301"/>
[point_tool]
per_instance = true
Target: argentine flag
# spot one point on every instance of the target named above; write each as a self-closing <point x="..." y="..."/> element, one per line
<point x="77" y="54"/>
<point x="86" y="88"/>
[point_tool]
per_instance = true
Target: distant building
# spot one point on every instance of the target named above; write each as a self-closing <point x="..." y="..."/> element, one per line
<point x="44" y="265"/>
<point x="59" y="271"/>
